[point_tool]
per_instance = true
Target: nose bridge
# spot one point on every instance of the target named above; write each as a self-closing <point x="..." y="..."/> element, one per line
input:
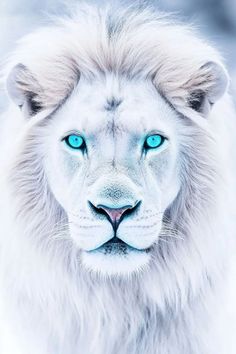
<point x="117" y="193"/>
<point x="108" y="147"/>
<point x="114" y="145"/>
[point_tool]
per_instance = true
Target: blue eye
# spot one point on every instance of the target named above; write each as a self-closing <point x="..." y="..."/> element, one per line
<point x="154" y="141"/>
<point x="75" y="141"/>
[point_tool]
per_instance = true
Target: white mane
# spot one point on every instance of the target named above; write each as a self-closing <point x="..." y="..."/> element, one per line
<point x="170" y="308"/>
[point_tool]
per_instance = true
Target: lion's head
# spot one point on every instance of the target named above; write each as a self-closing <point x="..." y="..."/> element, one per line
<point x="116" y="113"/>
<point x="112" y="165"/>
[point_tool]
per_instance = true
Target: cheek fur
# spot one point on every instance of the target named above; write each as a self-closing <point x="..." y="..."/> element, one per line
<point x="160" y="166"/>
<point x="70" y="164"/>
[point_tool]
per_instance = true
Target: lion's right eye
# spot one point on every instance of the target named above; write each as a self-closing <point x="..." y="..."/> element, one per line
<point x="75" y="141"/>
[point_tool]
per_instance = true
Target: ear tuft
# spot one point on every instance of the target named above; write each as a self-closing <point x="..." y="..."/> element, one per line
<point x="207" y="86"/>
<point x="220" y="81"/>
<point x="23" y="89"/>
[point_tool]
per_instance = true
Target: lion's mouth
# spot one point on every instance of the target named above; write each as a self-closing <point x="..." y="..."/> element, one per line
<point x="115" y="257"/>
<point x="116" y="246"/>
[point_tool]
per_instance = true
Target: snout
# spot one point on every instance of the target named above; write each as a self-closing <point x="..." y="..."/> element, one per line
<point x="115" y="201"/>
<point x="116" y="220"/>
<point x="116" y="227"/>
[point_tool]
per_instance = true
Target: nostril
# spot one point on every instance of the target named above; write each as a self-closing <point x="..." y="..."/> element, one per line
<point x="97" y="210"/>
<point x="115" y="215"/>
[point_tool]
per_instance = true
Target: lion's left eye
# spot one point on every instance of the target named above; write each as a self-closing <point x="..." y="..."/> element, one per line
<point x="154" y="141"/>
<point x="75" y="141"/>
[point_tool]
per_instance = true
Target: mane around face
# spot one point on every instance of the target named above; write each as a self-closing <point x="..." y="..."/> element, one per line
<point x="63" y="77"/>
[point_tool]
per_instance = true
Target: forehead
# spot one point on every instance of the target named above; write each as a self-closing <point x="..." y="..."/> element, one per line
<point x="133" y="106"/>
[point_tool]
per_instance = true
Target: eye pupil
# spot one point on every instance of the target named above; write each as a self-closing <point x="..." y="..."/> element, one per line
<point x="154" y="141"/>
<point x="74" y="141"/>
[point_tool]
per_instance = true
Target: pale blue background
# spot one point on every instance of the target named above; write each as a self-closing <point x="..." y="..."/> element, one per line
<point x="216" y="19"/>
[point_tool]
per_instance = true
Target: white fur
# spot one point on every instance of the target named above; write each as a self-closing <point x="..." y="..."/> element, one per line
<point x="55" y="297"/>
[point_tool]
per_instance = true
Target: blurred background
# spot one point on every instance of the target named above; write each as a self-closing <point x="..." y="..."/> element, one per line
<point x="216" y="20"/>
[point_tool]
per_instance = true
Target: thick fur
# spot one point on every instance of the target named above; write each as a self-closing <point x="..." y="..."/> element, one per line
<point x="182" y="302"/>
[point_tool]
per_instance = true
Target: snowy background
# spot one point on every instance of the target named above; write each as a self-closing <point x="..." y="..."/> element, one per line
<point x="216" y="19"/>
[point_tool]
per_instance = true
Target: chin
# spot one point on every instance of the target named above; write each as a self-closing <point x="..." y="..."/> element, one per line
<point x="116" y="259"/>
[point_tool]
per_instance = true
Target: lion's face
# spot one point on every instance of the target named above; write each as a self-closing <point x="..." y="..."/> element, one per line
<point x="116" y="151"/>
<point x="112" y="165"/>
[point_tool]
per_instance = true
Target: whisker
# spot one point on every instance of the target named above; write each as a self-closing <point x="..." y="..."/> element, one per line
<point x="161" y="239"/>
<point x="79" y="217"/>
<point x="149" y="216"/>
<point x="173" y="236"/>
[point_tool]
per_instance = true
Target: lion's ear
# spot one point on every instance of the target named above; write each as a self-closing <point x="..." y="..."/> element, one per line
<point x="208" y="85"/>
<point x="23" y="89"/>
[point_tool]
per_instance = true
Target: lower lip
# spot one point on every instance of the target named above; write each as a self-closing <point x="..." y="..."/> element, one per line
<point x="117" y="248"/>
<point x="115" y="259"/>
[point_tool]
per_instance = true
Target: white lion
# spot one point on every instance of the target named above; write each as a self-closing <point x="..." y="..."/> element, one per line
<point x="117" y="190"/>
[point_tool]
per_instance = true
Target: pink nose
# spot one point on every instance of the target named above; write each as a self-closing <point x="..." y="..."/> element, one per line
<point x="115" y="214"/>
